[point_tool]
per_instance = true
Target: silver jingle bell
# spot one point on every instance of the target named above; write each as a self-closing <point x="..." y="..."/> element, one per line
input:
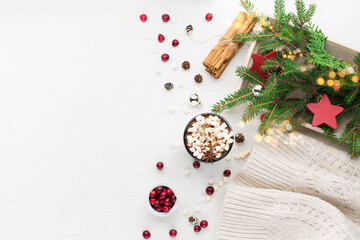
<point x="257" y="90"/>
<point x="194" y="99"/>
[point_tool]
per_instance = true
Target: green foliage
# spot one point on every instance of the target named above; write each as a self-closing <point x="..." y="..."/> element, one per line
<point x="247" y="5"/>
<point x="292" y="83"/>
<point x="233" y="100"/>
<point x="316" y="46"/>
<point x="351" y="135"/>
<point x="269" y="45"/>
<point x="271" y="65"/>
<point x="279" y="13"/>
<point x="249" y="75"/>
<point x="357" y="62"/>
<point x="310" y="12"/>
<point x="252" y="36"/>
<point x="301" y="10"/>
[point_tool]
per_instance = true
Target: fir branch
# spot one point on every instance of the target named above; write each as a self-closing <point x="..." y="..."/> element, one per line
<point x="249" y="75"/>
<point x="301" y="10"/>
<point x="351" y="135"/>
<point x="288" y="33"/>
<point x="279" y="13"/>
<point x="271" y="65"/>
<point x="296" y="85"/>
<point x="357" y="62"/>
<point x="247" y="5"/>
<point x="269" y="45"/>
<point x="294" y="20"/>
<point x="301" y="122"/>
<point x="263" y="104"/>
<point x="267" y="121"/>
<point x="310" y="12"/>
<point x="233" y="100"/>
<point x="248" y="115"/>
<point x="252" y="36"/>
<point x="292" y="46"/>
<point x="351" y="96"/>
<point x="285" y="115"/>
<point x="351" y="127"/>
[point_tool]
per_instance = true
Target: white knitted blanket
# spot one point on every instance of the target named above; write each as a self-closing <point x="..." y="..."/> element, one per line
<point x="294" y="188"/>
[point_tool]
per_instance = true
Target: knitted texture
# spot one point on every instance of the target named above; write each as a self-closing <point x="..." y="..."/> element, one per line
<point x="293" y="188"/>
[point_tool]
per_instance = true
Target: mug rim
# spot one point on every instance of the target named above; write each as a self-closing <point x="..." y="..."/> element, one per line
<point x="188" y="125"/>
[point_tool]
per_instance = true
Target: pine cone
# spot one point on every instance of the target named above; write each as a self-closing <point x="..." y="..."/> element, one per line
<point x="239" y="138"/>
<point x="168" y="86"/>
<point x="198" y="78"/>
<point x="189" y="29"/>
<point x="185" y="65"/>
<point x="193" y="220"/>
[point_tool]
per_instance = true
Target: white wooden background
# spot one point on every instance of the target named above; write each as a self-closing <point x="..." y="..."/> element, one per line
<point x="84" y="116"/>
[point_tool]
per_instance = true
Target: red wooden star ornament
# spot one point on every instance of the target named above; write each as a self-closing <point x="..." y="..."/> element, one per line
<point x="324" y="112"/>
<point x="258" y="62"/>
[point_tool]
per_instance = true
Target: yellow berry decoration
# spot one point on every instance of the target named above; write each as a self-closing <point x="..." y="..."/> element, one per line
<point x="301" y="55"/>
<point x="330" y="83"/>
<point x="341" y="74"/>
<point x="320" y="81"/>
<point x="284" y="56"/>
<point x="355" y="79"/>
<point x="337" y="82"/>
<point x="332" y="74"/>
<point x="263" y="22"/>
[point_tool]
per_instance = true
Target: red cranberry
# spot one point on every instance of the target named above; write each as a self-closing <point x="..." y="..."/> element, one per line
<point x="173" y="198"/>
<point x="197" y="228"/>
<point x="172" y="233"/>
<point x="175" y="42"/>
<point x="165" y="17"/>
<point x="262" y="117"/>
<point x="161" y="38"/>
<point x="167" y="202"/>
<point x="227" y="173"/>
<point x="209" y="190"/>
<point x="146" y="234"/>
<point x="160" y="165"/>
<point x="159" y="189"/>
<point x="157" y="203"/>
<point x="203" y="224"/>
<point x="208" y="16"/>
<point x="166" y="208"/>
<point x="143" y="17"/>
<point x="158" y="208"/>
<point x="169" y="192"/>
<point x="163" y="195"/>
<point x="152" y="201"/>
<point x="152" y="194"/>
<point x="165" y="57"/>
<point x="196" y="164"/>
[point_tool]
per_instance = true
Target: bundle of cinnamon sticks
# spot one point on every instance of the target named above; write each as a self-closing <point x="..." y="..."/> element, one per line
<point x="225" y="50"/>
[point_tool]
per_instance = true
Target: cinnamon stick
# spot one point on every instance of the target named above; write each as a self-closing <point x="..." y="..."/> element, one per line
<point x="221" y="55"/>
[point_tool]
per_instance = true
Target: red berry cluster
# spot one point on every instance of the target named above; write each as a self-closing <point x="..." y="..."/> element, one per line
<point x="203" y="224"/>
<point x="162" y="199"/>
